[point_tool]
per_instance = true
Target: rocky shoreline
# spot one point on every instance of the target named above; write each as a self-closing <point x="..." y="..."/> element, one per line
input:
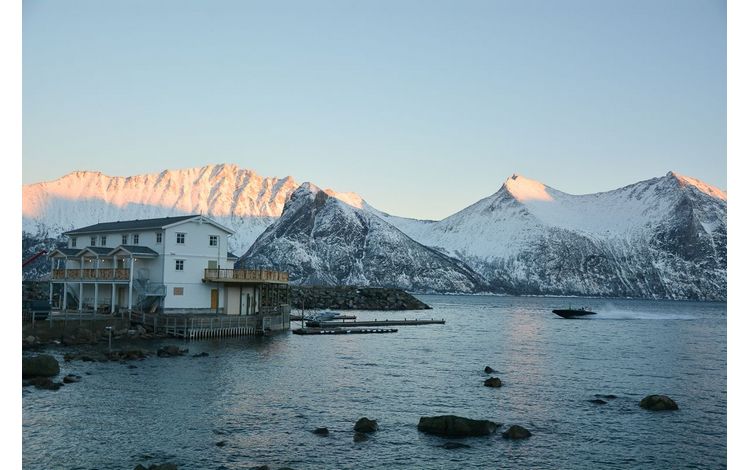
<point x="354" y="298"/>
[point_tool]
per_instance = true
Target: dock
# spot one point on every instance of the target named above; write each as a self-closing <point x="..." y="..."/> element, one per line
<point x="342" y="331"/>
<point x="404" y="322"/>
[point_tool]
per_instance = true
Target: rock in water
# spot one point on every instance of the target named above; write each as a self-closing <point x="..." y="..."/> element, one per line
<point x="489" y="370"/>
<point x="71" y="378"/>
<point x="598" y="401"/>
<point x="43" y="365"/>
<point x="360" y="436"/>
<point x="321" y="431"/>
<point x="493" y="382"/>
<point x="170" y="351"/>
<point x="658" y="403"/>
<point x="366" y="425"/>
<point x="454" y="445"/>
<point x="457" y="426"/>
<point x="516" y="432"/>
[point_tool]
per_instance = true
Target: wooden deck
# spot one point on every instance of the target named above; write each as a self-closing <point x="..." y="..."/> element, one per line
<point x="211" y="326"/>
<point x="348" y="324"/>
<point x="342" y="331"/>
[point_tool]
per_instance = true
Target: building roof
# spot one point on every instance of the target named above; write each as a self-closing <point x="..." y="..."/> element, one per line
<point x="127" y="225"/>
<point x="231" y="255"/>
<point x="64" y="252"/>
<point x="97" y="250"/>
<point x="135" y="250"/>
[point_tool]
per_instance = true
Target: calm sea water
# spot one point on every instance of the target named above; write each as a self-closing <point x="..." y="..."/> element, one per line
<point x="264" y="396"/>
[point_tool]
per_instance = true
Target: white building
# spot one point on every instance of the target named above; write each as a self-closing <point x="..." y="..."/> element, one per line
<point x="166" y="265"/>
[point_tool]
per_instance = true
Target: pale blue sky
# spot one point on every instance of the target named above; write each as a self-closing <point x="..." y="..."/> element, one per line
<point x="422" y="107"/>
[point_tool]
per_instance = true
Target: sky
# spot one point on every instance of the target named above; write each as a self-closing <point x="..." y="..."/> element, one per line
<point x="421" y="107"/>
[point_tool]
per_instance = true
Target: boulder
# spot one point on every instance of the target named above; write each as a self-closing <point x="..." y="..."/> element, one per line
<point x="360" y="436"/>
<point x="658" y="403"/>
<point x="457" y="426"/>
<point x="43" y="365"/>
<point x="366" y="425"/>
<point x="45" y="383"/>
<point x="607" y="397"/>
<point x="221" y="443"/>
<point x="493" y="382"/>
<point x="454" y="445"/>
<point x="321" y="431"/>
<point x="489" y="370"/>
<point x="516" y="432"/>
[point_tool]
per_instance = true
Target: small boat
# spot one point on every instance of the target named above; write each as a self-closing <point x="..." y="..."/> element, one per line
<point x="324" y="316"/>
<point x="573" y="312"/>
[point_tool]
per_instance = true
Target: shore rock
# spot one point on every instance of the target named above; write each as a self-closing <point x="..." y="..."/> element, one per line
<point x="658" y="403"/>
<point x="517" y="432"/>
<point x="170" y="351"/>
<point x="45" y="383"/>
<point x="493" y="382"/>
<point x="321" y="431"/>
<point x="456" y="426"/>
<point x="489" y="370"/>
<point x="43" y="365"/>
<point x="203" y="354"/>
<point x="71" y="378"/>
<point x="366" y="425"/>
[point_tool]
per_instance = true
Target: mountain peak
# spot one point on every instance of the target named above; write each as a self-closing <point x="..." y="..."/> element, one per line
<point x="524" y="189"/>
<point x="705" y="188"/>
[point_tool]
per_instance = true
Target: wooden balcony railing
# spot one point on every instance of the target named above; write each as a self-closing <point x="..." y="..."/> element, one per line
<point x="257" y="275"/>
<point x="88" y="274"/>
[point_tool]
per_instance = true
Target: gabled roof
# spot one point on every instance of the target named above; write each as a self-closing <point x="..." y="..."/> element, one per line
<point x="65" y="252"/>
<point x="134" y="250"/>
<point x="231" y="255"/>
<point x="96" y="250"/>
<point x="127" y="225"/>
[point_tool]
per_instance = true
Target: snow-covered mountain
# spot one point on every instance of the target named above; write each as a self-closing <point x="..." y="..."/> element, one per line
<point x="660" y="238"/>
<point x="328" y="238"/>
<point x="238" y="198"/>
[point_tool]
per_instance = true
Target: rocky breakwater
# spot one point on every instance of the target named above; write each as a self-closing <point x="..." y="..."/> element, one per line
<point x="354" y="298"/>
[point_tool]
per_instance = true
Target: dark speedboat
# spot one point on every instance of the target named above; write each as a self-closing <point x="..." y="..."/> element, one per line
<point x="573" y="312"/>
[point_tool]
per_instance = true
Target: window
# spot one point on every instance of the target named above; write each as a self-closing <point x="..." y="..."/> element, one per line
<point x="179" y="265"/>
<point x="178" y="291"/>
<point x="93" y="241"/>
<point x="158" y="239"/>
<point x="181" y="238"/>
<point x="213" y="240"/>
<point x="124" y="239"/>
<point x="103" y="240"/>
<point x="135" y="239"/>
<point x="73" y="242"/>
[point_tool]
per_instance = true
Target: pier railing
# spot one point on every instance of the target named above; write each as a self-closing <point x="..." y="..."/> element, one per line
<point x="92" y="274"/>
<point x="244" y="275"/>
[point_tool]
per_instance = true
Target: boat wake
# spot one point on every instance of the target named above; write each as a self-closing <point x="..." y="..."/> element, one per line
<point x="611" y="312"/>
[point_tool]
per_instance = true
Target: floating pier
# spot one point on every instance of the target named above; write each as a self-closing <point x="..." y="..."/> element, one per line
<point x="301" y="317"/>
<point x="404" y="322"/>
<point x="341" y="331"/>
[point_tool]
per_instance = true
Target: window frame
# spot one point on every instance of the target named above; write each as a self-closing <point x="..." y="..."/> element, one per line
<point x="93" y="241"/>
<point x="103" y="240"/>
<point x="124" y="239"/>
<point x="158" y="237"/>
<point x="179" y="265"/>
<point x="73" y="241"/>
<point x="136" y="239"/>
<point x="178" y="236"/>
<point x="213" y="238"/>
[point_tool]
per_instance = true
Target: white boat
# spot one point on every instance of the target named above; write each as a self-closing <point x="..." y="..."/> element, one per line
<point x="324" y="316"/>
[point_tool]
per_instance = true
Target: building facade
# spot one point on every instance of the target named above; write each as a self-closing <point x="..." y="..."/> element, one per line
<point x="170" y="265"/>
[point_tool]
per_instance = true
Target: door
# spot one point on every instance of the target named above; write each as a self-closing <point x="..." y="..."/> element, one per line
<point x="214" y="299"/>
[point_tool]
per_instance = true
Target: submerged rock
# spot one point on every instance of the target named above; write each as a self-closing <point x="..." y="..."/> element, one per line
<point x="451" y="425"/>
<point x="598" y="401"/>
<point x="493" y="382"/>
<point x="607" y="397"/>
<point x="71" y="378"/>
<point x="516" y="432"/>
<point x="321" y="431"/>
<point x="489" y="370"/>
<point x="366" y="425"/>
<point x="203" y="354"/>
<point x="43" y="365"/>
<point x="170" y="351"/>
<point x="360" y="436"/>
<point x="658" y="403"/>
<point x="454" y="445"/>
<point x="45" y="383"/>
<point x="221" y="443"/>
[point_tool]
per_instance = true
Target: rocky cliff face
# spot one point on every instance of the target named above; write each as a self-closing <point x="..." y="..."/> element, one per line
<point x="322" y="240"/>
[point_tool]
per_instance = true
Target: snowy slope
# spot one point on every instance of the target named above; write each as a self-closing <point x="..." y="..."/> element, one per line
<point x="662" y="238"/>
<point x="240" y="199"/>
<point x="323" y="240"/>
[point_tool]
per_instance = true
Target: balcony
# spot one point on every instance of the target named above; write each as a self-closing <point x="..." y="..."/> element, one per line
<point x="240" y="276"/>
<point x="88" y="274"/>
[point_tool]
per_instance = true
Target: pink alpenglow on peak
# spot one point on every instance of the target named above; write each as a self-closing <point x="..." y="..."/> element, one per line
<point x="713" y="191"/>
<point x="524" y="189"/>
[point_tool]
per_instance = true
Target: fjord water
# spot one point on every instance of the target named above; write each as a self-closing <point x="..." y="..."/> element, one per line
<point x="264" y="396"/>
